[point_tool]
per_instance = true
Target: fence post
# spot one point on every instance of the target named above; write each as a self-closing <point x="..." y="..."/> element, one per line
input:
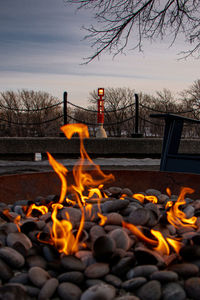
<point x="65" y="107"/>
<point x="136" y="134"/>
<point x="136" y="113"/>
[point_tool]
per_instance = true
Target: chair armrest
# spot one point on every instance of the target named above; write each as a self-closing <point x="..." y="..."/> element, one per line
<point x="173" y="117"/>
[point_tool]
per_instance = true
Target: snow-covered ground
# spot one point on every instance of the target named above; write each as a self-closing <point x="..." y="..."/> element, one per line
<point x="16" y="167"/>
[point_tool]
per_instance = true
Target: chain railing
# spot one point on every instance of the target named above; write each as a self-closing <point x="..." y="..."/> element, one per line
<point x="133" y="118"/>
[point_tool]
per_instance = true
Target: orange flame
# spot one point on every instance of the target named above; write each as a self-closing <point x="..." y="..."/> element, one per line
<point x="177" y="217"/>
<point x="162" y="247"/>
<point x="103" y="219"/>
<point x="82" y="178"/>
<point x="139" y="234"/>
<point x="62" y="172"/>
<point x="141" y="197"/>
<point x="17" y="222"/>
<point x="61" y="234"/>
<point x="42" y="208"/>
<point x="177" y="245"/>
<point x="169" y="193"/>
<point x="92" y="182"/>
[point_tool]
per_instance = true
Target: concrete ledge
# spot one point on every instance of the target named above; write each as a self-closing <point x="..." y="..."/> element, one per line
<point x="110" y="147"/>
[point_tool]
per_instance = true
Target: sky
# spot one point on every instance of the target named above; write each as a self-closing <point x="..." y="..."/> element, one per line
<point x="42" y="48"/>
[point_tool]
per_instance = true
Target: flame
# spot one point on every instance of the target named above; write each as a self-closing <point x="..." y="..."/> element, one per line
<point x="17" y="222"/>
<point x="160" y="244"/>
<point x="151" y="198"/>
<point x="88" y="186"/>
<point x="162" y="247"/>
<point x="141" y="198"/>
<point x="177" y="217"/>
<point x="62" y="172"/>
<point x="177" y="245"/>
<point x="103" y="219"/>
<point x="139" y="233"/>
<point x="82" y="178"/>
<point x="42" y="208"/>
<point x="168" y="191"/>
<point x="61" y="232"/>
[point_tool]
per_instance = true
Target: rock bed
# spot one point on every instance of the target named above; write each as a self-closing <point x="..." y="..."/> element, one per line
<point x="113" y="265"/>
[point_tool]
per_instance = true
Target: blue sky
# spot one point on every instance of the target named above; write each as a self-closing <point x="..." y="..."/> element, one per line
<point x="42" y="48"/>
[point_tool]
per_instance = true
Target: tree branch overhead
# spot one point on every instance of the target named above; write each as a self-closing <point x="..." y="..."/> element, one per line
<point x="120" y="20"/>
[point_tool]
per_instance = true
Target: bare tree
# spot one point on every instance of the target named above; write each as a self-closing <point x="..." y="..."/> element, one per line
<point x="191" y="102"/>
<point x="117" y="20"/>
<point x="27" y="113"/>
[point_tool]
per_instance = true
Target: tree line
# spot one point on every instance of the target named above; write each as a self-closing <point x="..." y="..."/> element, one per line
<point x="31" y="113"/>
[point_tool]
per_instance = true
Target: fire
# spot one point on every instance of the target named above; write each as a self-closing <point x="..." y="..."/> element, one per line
<point x="42" y="208"/>
<point x="139" y="234"/>
<point x="61" y="234"/>
<point x="103" y="219"/>
<point x="162" y="247"/>
<point x="62" y="172"/>
<point x="141" y="198"/>
<point x="177" y="217"/>
<point x="177" y="245"/>
<point x="82" y="178"/>
<point x="88" y="187"/>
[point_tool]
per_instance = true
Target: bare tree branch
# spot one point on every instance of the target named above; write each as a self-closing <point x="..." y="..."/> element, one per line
<point x="119" y="20"/>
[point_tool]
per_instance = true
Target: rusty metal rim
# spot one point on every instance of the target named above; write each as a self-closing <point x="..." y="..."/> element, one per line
<point x="30" y="185"/>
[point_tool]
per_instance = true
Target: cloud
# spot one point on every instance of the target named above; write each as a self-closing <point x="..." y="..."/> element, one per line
<point x="42" y="48"/>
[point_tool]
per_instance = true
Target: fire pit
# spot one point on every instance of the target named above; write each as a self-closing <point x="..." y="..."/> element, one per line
<point x="135" y="237"/>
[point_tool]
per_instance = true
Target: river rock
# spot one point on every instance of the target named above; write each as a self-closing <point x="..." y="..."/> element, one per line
<point x="185" y="269"/>
<point x="86" y="257"/>
<point x="97" y="270"/>
<point x="72" y="263"/>
<point x="113" y="280"/>
<point x="48" y="289"/>
<point x="114" y="205"/>
<point x="20" y="278"/>
<point x="73" y="276"/>
<point x="127" y="297"/>
<point x="38" y="276"/>
<point x="123" y="266"/>
<point x="150" y="291"/>
<point x="164" y="276"/>
<point x="69" y="291"/>
<point x="153" y="192"/>
<point x="139" y="216"/>
<point x="96" y="232"/>
<point x="12" y="257"/>
<point x="36" y="261"/>
<point x="32" y="291"/>
<point x="134" y="283"/>
<point x="12" y="292"/>
<point x="144" y="271"/>
<point x="121" y="238"/>
<point x="114" y="219"/>
<point x="173" y="291"/>
<point x="100" y="292"/>
<point x="5" y="271"/>
<point x="73" y="213"/>
<point x="192" y="287"/>
<point x="14" y="237"/>
<point x="115" y="191"/>
<point x="104" y="247"/>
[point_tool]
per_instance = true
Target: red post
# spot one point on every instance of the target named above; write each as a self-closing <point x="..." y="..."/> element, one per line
<point x="100" y="114"/>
